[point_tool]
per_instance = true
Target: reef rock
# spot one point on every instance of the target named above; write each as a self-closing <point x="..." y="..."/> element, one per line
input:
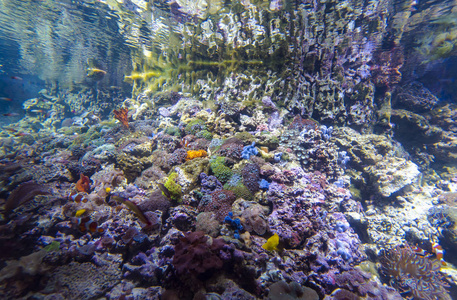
<point x="392" y="174"/>
<point x="366" y="149"/>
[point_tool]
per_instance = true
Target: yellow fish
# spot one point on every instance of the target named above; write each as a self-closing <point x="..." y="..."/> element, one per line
<point x="272" y="243"/>
<point x="79" y="212"/>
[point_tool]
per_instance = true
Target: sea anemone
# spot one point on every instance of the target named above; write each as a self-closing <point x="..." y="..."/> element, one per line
<point x="414" y="275"/>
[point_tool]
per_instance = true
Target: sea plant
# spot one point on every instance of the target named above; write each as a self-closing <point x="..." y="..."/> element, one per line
<point x="415" y="276"/>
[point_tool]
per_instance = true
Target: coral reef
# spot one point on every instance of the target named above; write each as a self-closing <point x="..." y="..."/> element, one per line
<point x="267" y="150"/>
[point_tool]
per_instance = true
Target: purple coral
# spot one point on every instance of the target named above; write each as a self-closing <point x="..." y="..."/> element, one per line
<point x="221" y="204"/>
<point x="209" y="183"/>
<point x="194" y="255"/>
<point x="251" y="177"/>
<point x="232" y="148"/>
<point x="178" y="157"/>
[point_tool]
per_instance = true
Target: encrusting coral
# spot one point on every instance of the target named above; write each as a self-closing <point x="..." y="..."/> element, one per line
<point x="173" y="187"/>
<point x="256" y="155"/>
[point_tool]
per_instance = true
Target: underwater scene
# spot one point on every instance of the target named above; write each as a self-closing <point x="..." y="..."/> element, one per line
<point x="228" y="149"/>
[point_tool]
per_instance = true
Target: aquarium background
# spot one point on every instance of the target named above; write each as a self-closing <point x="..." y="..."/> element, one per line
<point x="214" y="149"/>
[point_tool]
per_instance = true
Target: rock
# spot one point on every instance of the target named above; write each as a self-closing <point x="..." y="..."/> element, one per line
<point x="392" y="174"/>
<point x="367" y="149"/>
<point x="415" y="97"/>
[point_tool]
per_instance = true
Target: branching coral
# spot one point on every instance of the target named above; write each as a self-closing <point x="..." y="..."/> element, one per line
<point x="414" y="275"/>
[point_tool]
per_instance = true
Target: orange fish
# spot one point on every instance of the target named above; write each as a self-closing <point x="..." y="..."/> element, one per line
<point x="16" y="78"/>
<point x="87" y="225"/>
<point x="5" y="99"/>
<point x="77" y="197"/>
<point x="419" y="251"/>
<point x="83" y="184"/>
<point x="185" y="143"/>
<point x="439" y="252"/>
<point x="11" y="114"/>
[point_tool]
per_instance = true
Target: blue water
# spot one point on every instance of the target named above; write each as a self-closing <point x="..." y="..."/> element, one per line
<point x="251" y="149"/>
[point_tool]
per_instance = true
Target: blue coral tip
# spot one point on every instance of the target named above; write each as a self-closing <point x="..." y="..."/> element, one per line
<point x="236" y="235"/>
<point x="228" y="219"/>
<point x="264" y="184"/>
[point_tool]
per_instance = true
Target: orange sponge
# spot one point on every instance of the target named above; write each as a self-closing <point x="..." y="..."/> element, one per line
<point x="191" y="154"/>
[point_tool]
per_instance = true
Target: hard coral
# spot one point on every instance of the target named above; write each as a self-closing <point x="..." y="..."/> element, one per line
<point x="209" y="183"/>
<point x="177" y="157"/>
<point x="220" y="170"/>
<point x="191" y="154"/>
<point x="414" y="275"/>
<point x="195" y="126"/>
<point x="232" y="148"/>
<point x="194" y="255"/>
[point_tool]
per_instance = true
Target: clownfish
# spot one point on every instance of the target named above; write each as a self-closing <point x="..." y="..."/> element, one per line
<point x="77" y="197"/>
<point x="420" y="251"/>
<point x="439" y="252"/>
<point x="87" y="225"/>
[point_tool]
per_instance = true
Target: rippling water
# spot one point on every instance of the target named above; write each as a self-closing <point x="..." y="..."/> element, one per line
<point x="130" y="127"/>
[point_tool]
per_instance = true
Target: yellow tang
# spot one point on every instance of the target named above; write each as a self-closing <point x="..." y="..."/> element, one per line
<point x="272" y="243"/>
<point x="79" y="212"/>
